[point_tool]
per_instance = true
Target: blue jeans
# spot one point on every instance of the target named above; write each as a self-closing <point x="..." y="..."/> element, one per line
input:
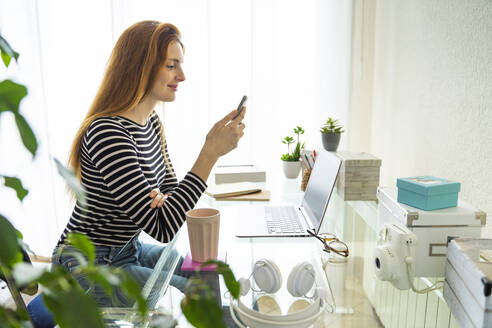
<point x="135" y="258"/>
<point x="41" y="317"/>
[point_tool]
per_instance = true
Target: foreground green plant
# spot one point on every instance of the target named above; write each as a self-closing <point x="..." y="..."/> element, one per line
<point x="200" y="305"/>
<point x="296" y="153"/>
<point x="62" y="294"/>
<point x="70" y="304"/>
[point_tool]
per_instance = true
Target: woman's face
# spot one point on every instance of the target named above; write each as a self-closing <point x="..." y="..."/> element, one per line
<point x="169" y="75"/>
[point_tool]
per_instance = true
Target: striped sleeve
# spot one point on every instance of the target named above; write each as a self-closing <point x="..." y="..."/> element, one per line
<point x="171" y="181"/>
<point x="113" y="152"/>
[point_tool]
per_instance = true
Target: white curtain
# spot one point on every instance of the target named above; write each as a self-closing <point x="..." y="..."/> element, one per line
<point x="290" y="57"/>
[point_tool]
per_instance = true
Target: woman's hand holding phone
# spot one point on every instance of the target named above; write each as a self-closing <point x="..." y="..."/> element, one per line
<point x="221" y="139"/>
<point x="225" y="134"/>
<point x="241" y="106"/>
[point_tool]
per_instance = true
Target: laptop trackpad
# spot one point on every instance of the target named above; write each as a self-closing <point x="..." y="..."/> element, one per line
<point x="251" y="222"/>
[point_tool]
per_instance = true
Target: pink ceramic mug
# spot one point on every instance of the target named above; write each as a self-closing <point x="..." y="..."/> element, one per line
<point x="203" y="233"/>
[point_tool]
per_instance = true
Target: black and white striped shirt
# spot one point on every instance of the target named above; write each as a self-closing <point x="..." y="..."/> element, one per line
<point x="121" y="162"/>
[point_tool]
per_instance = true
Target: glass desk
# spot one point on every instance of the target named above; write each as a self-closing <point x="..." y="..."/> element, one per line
<point x="362" y="300"/>
<point x="242" y="253"/>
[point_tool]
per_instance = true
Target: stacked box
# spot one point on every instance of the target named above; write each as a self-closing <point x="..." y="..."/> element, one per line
<point x="359" y="176"/>
<point x="428" y="193"/>
<point x="468" y="284"/>
<point x="432" y="228"/>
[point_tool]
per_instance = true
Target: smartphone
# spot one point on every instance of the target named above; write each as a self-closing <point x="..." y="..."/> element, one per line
<point x="240" y="107"/>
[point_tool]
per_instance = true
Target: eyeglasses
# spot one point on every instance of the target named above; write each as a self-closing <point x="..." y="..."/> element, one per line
<point x="331" y="243"/>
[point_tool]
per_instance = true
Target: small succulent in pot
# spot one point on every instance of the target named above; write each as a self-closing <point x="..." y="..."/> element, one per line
<point x="330" y="134"/>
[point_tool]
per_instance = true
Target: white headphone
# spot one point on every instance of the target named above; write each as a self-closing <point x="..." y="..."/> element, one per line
<point x="268" y="278"/>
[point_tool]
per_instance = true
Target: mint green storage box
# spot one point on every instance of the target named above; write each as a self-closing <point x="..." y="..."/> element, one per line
<point x="428" y="193"/>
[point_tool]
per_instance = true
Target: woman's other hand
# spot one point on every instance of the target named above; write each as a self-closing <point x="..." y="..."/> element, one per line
<point x="158" y="198"/>
<point x="225" y="134"/>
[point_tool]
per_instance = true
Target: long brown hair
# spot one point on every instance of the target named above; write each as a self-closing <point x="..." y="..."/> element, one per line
<point x="135" y="61"/>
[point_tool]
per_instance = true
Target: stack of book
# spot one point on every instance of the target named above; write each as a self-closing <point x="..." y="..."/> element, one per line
<point x="359" y="176"/>
<point x="239" y="173"/>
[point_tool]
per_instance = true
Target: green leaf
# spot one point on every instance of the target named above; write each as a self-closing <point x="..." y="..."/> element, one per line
<point x="83" y="244"/>
<point x="14" y="319"/>
<point x="73" y="309"/>
<point x="5" y="58"/>
<point x="298" y="130"/>
<point x="132" y="288"/>
<point x="7" y="318"/>
<point x="103" y="276"/>
<point x="16" y="184"/>
<point x="24" y="276"/>
<point x="229" y="279"/>
<point x="331" y="126"/>
<point x="25" y="273"/>
<point x="289" y="158"/>
<point x="7" y="51"/>
<point x="11" y="94"/>
<point x="288" y="140"/>
<point x="57" y="279"/>
<point x="9" y="247"/>
<point x="72" y="181"/>
<point x="296" y="154"/>
<point x="203" y="312"/>
<point x="23" y="244"/>
<point x="27" y="136"/>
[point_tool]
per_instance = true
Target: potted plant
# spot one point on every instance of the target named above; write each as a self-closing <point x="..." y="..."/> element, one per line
<point x="291" y="161"/>
<point x="330" y="134"/>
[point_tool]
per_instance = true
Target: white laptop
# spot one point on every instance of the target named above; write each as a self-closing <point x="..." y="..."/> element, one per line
<point x="294" y="221"/>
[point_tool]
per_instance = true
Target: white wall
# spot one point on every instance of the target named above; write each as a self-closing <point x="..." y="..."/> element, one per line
<point x="421" y="95"/>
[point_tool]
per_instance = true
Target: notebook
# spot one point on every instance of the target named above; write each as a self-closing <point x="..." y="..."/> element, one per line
<point x="232" y="189"/>
<point x="190" y="265"/>
<point x="263" y="195"/>
<point x="295" y="221"/>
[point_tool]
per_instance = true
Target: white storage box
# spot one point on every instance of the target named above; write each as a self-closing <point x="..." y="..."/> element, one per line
<point x="468" y="282"/>
<point x="432" y="228"/>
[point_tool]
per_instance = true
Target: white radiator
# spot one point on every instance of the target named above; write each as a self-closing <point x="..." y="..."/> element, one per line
<point x="394" y="307"/>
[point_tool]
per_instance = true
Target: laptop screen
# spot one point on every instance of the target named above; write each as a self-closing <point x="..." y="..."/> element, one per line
<point x="320" y="186"/>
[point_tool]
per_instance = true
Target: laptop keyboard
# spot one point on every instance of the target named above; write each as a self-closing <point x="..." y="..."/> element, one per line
<point x="282" y="219"/>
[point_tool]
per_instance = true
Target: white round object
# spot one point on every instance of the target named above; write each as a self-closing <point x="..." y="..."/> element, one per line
<point x="301" y="319"/>
<point x="301" y="279"/>
<point x="267" y="276"/>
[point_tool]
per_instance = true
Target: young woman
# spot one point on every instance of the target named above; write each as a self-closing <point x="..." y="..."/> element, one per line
<point x="120" y="155"/>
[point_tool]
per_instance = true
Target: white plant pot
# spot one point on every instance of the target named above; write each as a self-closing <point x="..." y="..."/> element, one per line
<point x="291" y="169"/>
